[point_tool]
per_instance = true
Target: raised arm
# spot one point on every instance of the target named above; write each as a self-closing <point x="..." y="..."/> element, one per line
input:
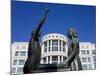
<point x="42" y="20"/>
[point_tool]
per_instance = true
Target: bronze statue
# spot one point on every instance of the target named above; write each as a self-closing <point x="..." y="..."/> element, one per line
<point x="73" y="61"/>
<point x="34" y="50"/>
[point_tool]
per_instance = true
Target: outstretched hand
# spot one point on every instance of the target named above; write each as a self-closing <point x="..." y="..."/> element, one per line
<point x="63" y="65"/>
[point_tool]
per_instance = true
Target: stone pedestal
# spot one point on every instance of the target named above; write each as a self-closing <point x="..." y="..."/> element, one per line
<point x="49" y="68"/>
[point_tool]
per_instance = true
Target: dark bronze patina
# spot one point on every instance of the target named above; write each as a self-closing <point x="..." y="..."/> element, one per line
<point x="73" y="61"/>
<point x="34" y="50"/>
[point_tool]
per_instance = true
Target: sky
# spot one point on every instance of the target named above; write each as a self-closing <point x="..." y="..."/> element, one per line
<point x="26" y="15"/>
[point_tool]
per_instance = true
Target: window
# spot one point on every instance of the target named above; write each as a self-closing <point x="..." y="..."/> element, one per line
<point x="48" y="58"/>
<point x="64" y="44"/>
<point x="90" y="66"/>
<point x="83" y="52"/>
<point x="54" y="62"/>
<point x="16" y="53"/>
<point x="49" y="42"/>
<point x="64" y="49"/>
<point x="95" y="65"/>
<point x="89" y="59"/>
<point x="94" y="58"/>
<point x="87" y="51"/>
<point x="84" y="60"/>
<point x="20" y="70"/>
<point x="54" y="42"/>
<point x="13" y="69"/>
<point x="45" y="49"/>
<point x="93" y="52"/>
<point x="60" y="48"/>
<point x="21" y="62"/>
<point x="45" y="44"/>
<point x="54" y="58"/>
<point x="85" y="67"/>
<point x="64" y="59"/>
<point x="54" y="45"/>
<point x="60" y="42"/>
<point x="54" y="48"/>
<point x="15" y="62"/>
<point x="60" y="58"/>
<point x="44" y="60"/>
<point x="22" y="53"/>
<point x="49" y="49"/>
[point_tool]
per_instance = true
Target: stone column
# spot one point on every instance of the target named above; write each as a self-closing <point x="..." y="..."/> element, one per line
<point x="58" y="46"/>
<point x="58" y="59"/>
<point x="46" y="60"/>
<point x="42" y="49"/>
<point x="50" y="59"/>
<point x="61" y="46"/>
<point x="42" y="61"/>
<point x="47" y="45"/>
<point x="61" y="58"/>
<point x="51" y="46"/>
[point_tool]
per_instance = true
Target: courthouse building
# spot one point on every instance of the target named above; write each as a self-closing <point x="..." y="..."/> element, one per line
<point x="54" y="48"/>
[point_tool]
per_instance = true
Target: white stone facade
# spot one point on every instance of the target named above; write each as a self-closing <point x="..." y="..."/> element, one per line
<point x="18" y="56"/>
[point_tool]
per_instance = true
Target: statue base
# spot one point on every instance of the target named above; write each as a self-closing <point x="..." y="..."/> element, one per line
<point x="49" y="68"/>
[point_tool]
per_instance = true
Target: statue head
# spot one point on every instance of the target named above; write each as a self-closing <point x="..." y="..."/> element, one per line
<point x="72" y="33"/>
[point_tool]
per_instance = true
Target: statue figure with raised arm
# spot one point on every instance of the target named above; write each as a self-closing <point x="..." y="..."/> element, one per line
<point x="34" y="50"/>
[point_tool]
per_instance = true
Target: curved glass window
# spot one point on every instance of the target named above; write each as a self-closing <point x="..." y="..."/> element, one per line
<point x="45" y="46"/>
<point x="64" y="59"/>
<point x="54" y="48"/>
<point x="54" y="45"/>
<point x="44" y="59"/>
<point x="64" y="47"/>
<point x="54" y="59"/>
<point x="54" y="42"/>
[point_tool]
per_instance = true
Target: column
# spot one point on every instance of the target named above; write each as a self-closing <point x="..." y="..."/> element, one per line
<point x="47" y="60"/>
<point x="61" y="58"/>
<point x="50" y="59"/>
<point x="42" y="61"/>
<point x="58" y="59"/>
<point x="47" y="45"/>
<point x="58" y="46"/>
<point x="51" y="46"/>
<point x="42" y="48"/>
<point x="61" y="46"/>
